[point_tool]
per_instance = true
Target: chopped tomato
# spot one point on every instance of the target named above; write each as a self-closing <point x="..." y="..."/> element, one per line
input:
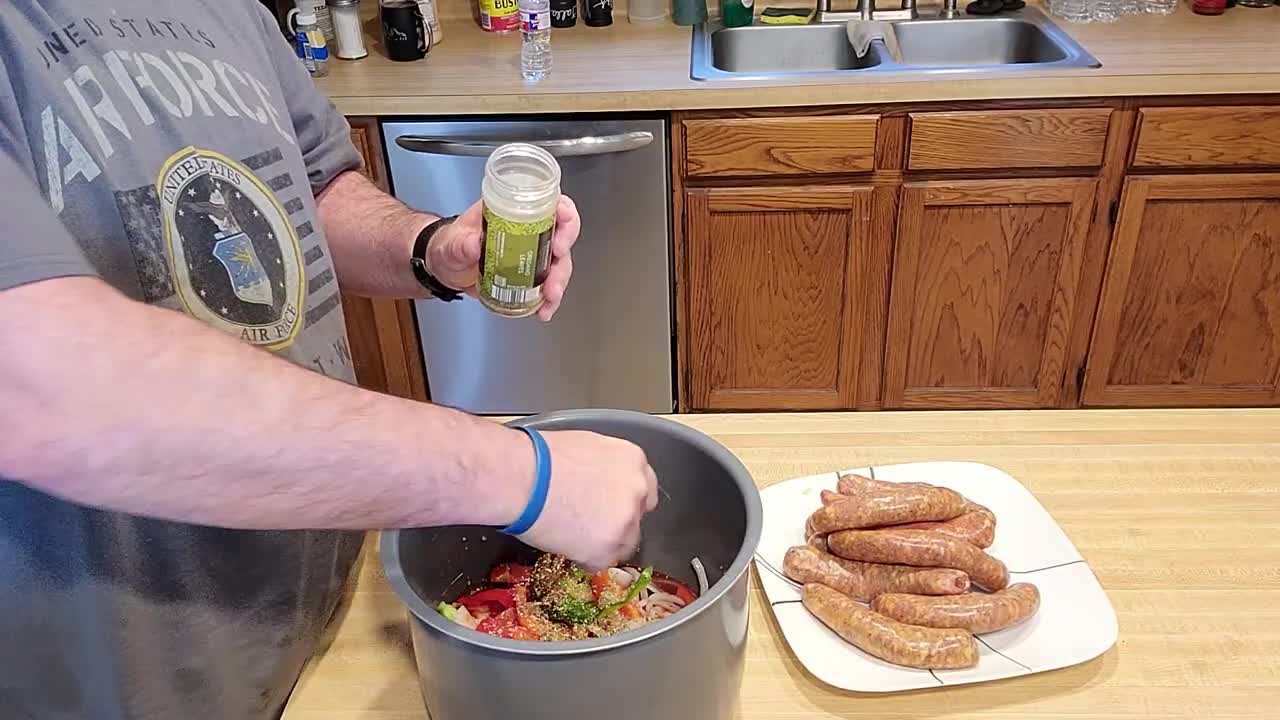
<point x="491" y="624"/>
<point x="506" y="625"/>
<point x="600" y="582"/>
<point x="630" y="611"/>
<point x="509" y="574"/>
<point x="671" y="586"/>
<point x="496" y="600"/>
<point x="522" y="606"/>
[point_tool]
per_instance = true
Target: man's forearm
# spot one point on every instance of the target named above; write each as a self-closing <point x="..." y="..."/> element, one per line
<point x="371" y="236"/>
<point x="112" y="403"/>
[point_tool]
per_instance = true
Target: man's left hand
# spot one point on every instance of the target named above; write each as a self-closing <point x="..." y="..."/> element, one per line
<point x="454" y="254"/>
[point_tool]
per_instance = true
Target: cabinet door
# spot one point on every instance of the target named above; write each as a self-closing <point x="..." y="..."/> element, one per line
<point x="1190" y="309"/>
<point x="984" y="284"/>
<point x="774" y="286"/>
<point x="384" y="339"/>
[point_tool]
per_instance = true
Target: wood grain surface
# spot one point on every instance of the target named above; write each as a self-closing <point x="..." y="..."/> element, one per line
<point x="780" y="146"/>
<point x="773" y="272"/>
<point x="385" y="349"/>
<point x="1208" y="136"/>
<point x="1191" y="304"/>
<point x="1107" y="197"/>
<point x="984" y="283"/>
<point x="628" y="67"/>
<point x="1176" y="512"/>
<point x="999" y="139"/>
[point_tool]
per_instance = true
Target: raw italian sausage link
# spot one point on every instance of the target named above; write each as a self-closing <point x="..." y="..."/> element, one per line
<point x="817" y="541"/>
<point x="975" y="526"/>
<point x="888" y="639"/>
<point x="976" y="612"/>
<point x="864" y="581"/>
<point x="889" y="507"/>
<point x="829" y="496"/>
<point x="922" y="548"/>
<point x="854" y="484"/>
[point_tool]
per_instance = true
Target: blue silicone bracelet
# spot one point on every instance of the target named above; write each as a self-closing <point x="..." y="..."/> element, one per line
<point x="541" y="485"/>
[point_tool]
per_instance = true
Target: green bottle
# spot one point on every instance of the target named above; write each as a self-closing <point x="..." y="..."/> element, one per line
<point x="736" y="13"/>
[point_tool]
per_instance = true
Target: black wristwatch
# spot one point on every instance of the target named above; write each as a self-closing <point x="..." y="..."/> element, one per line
<point x="418" y="261"/>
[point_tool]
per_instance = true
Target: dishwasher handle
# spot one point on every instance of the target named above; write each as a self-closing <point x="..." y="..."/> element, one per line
<point x="574" y="147"/>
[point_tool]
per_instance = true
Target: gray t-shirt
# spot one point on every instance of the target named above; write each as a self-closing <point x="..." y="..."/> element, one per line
<point x="172" y="149"/>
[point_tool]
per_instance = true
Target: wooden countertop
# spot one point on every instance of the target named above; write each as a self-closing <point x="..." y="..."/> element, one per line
<point x="1178" y="513"/>
<point x="646" y="68"/>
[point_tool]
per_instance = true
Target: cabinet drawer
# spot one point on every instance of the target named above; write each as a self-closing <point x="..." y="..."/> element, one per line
<point x="999" y="139"/>
<point x="1208" y="137"/>
<point x="780" y="146"/>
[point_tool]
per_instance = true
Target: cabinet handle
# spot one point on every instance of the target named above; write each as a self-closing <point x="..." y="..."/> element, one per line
<point x="574" y="147"/>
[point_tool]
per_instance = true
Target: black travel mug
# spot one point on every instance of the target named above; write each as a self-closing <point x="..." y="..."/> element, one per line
<point x="404" y="34"/>
<point x="564" y="13"/>
<point x="598" y="12"/>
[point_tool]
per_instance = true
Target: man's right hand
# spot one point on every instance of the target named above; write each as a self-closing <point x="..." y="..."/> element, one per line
<point x="601" y="487"/>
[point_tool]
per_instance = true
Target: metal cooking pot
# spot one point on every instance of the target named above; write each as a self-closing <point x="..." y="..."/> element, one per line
<point x="683" y="667"/>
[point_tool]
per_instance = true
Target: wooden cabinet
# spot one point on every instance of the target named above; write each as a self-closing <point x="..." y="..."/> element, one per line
<point x="1102" y="253"/>
<point x="775" y="287"/>
<point x="984" y="283"/>
<point x="1190" y="310"/>
<point x="384" y="338"/>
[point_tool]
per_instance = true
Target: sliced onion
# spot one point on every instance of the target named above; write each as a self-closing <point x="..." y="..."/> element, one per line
<point x="621" y="578"/>
<point x="463" y="617"/>
<point x="701" y="572"/>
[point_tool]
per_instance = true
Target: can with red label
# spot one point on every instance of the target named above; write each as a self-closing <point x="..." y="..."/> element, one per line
<point x="499" y="15"/>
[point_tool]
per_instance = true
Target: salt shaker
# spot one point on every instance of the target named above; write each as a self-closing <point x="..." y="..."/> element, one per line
<point x="346" y="29"/>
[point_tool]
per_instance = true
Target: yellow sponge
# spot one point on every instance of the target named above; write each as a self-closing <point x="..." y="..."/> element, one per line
<point x="786" y="16"/>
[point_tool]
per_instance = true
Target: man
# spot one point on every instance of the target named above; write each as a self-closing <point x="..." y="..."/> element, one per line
<point x="180" y="447"/>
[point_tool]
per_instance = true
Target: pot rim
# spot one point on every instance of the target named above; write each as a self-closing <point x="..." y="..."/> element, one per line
<point x="392" y="568"/>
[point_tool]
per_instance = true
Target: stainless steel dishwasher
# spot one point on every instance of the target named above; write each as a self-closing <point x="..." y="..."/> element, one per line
<point x="610" y="345"/>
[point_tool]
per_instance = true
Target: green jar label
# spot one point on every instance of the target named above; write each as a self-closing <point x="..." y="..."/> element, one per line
<point x="516" y="257"/>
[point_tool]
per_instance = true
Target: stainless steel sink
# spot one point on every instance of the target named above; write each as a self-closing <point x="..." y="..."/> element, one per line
<point x="977" y="42"/>
<point x="760" y="49"/>
<point x="1022" y="40"/>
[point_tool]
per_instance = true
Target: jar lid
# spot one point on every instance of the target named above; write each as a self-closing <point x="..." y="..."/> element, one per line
<point x="343" y="3"/>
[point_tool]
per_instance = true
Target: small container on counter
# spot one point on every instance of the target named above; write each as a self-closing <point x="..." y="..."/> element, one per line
<point x="736" y="13"/>
<point x="310" y="44"/>
<point x="318" y="8"/>
<point x="521" y="191"/>
<point x="689" y="12"/>
<point x="431" y="16"/>
<point x="1208" y="7"/>
<point x="597" y="13"/>
<point x="564" y="13"/>
<point x="646" y="11"/>
<point x="500" y="16"/>
<point x="348" y="37"/>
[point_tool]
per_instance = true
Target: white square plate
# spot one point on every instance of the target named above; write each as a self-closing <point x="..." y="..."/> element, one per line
<point x="1075" y="622"/>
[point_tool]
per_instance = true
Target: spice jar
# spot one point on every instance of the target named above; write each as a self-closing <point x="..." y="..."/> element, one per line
<point x="520" y="191"/>
<point x="345" y="15"/>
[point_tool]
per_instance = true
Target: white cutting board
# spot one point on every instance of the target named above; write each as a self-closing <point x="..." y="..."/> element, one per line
<point x="1075" y="622"/>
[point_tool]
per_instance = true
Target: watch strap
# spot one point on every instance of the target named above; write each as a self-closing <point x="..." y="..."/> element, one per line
<point x="418" y="261"/>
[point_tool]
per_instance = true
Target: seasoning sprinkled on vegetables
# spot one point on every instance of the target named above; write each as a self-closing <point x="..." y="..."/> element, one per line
<point x="554" y="599"/>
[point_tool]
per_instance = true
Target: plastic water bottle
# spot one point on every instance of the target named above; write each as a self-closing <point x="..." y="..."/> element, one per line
<point x="535" y="28"/>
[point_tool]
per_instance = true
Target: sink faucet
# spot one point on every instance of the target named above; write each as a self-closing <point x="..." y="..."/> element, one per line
<point x="866" y="10"/>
